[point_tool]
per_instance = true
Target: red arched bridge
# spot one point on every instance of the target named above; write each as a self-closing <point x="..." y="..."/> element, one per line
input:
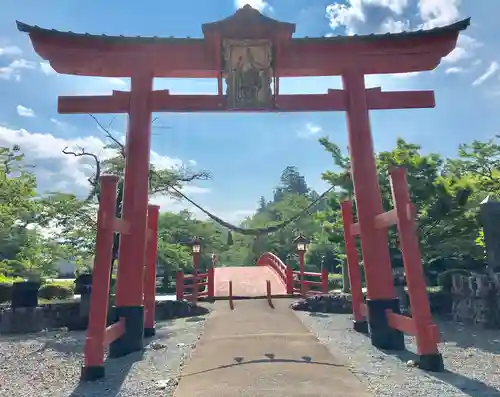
<point x="271" y="277"/>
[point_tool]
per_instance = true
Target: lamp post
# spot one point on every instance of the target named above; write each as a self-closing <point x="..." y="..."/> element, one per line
<point x="301" y="243"/>
<point x="196" y="249"/>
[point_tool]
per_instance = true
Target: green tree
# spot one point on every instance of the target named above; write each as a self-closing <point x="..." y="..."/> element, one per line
<point x="445" y="224"/>
<point x="17" y="204"/>
<point x="76" y="218"/>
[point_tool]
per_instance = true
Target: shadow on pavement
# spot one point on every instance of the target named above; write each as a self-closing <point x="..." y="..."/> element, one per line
<point x="270" y="359"/>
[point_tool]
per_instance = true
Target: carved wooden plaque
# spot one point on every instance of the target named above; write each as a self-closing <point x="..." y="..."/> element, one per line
<point x="248" y="72"/>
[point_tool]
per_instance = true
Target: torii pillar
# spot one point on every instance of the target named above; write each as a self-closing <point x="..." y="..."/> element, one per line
<point x="132" y="253"/>
<point x="374" y="242"/>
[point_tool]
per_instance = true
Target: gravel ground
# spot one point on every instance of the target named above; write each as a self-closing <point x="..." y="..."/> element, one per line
<point x="471" y="355"/>
<point x="48" y="364"/>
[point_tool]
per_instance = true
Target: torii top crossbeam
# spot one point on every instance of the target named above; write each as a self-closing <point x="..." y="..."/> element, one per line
<point x="117" y="56"/>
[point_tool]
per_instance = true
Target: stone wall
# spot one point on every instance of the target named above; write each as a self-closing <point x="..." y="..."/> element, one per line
<point x="476" y="299"/>
<point x="73" y="316"/>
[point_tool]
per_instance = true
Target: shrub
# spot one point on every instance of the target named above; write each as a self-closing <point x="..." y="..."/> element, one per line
<point x="5" y="292"/>
<point x="334" y="281"/>
<point x="59" y="290"/>
<point x="6" y="287"/>
<point x="445" y="278"/>
<point x="440" y="301"/>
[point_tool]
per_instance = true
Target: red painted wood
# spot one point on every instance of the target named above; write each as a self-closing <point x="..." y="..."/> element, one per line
<point x="401" y="323"/>
<point x="121" y="226"/>
<point x="150" y="271"/>
<point x="378" y="100"/>
<point x="179" y="285"/>
<point x="410" y="250"/>
<point x="93" y="56"/>
<point x="289" y="280"/>
<point x="95" y="104"/>
<point x="324" y="279"/>
<point x="114" y="331"/>
<point x="96" y="333"/>
<point x="352" y="261"/>
<point x="248" y="281"/>
<point x="275" y="263"/>
<point x="162" y="101"/>
<point x="131" y="257"/>
<point x="210" y="287"/>
<point x="374" y="242"/>
<point x="382" y="221"/>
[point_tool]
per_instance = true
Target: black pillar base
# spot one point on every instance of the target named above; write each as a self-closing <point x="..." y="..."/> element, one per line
<point x="149" y="332"/>
<point x="92" y="373"/>
<point x="360" y="326"/>
<point x="381" y="335"/>
<point x="431" y="362"/>
<point x="132" y="338"/>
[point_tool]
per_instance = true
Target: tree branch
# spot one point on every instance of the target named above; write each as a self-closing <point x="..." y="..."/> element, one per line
<point x="92" y="180"/>
<point x="120" y="146"/>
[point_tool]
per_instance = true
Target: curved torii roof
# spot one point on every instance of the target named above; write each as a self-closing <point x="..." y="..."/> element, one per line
<point x="117" y="56"/>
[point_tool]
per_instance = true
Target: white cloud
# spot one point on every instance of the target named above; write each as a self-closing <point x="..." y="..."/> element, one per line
<point x="192" y="162"/>
<point x="57" y="171"/>
<point x="454" y="70"/>
<point x="237" y="216"/>
<point x="116" y="81"/>
<point x="381" y="16"/>
<point x="24" y="111"/>
<point x="309" y="130"/>
<point x="491" y="71"/>
<point x="257" y="4"/>
<point x="354" y="16"/>
<point x="464" y="49"/>
<point x="13" y="70"/>
<point x="345" y="15"/>
<point x="57" y="122"/>
<point x="396" y="6"/>
<point x="436" y="13"/>
<point x="390" y="25"/>
<point x="47" y="69"/>
<point x="456" y="55"/>
<point x="10" y="51"/>
<point x="63" y="126"/>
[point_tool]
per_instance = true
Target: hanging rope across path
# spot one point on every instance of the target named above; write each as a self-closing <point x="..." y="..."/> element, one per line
<point x="255" y="231"/>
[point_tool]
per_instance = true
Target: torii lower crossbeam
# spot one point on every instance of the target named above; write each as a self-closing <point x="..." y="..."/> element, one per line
<point x="163" y="101"/>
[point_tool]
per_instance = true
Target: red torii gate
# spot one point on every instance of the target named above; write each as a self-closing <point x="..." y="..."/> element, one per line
<point x="251" y="52"/>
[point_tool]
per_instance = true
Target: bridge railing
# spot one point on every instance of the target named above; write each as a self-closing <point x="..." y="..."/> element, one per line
<point x="188" y="285"/>
<point x="310" y="283"/>
<point x="284" y="272"/>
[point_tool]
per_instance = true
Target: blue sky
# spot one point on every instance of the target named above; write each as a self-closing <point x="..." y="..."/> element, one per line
<point x="245" y="153"/>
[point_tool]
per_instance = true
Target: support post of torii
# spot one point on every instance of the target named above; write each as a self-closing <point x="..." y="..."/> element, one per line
<point x="374" y="243"/>
<point x="131" y="256"/>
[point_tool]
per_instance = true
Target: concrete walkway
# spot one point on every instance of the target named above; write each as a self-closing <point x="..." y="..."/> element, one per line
<point x="248" y="281"/>
<point x="259" y="351"/>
